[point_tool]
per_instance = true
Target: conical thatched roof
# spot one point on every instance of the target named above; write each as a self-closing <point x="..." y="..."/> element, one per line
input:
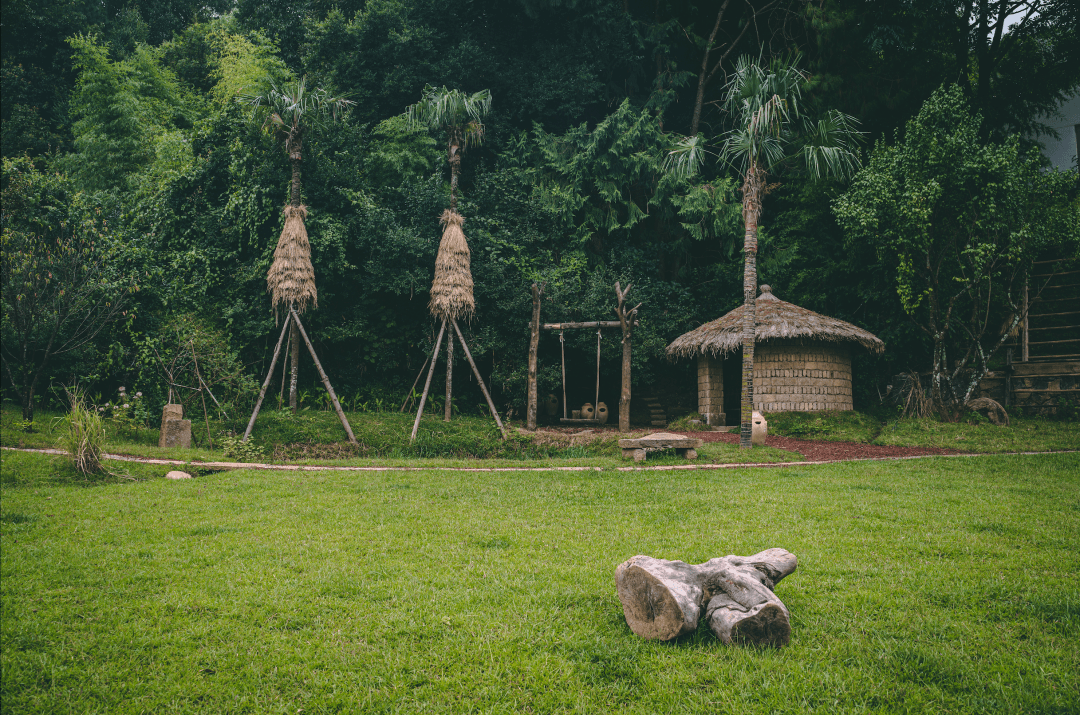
<point x="291" y="279"/>
<point x="775" y="319"/>
<point x="452" y="289"/>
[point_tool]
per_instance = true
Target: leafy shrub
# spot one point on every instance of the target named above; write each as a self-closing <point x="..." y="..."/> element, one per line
<point x="82" y="435"/>
<point x="692" y="422"/>
<point x="234" y="447"/>
<point x="129" y="411"/>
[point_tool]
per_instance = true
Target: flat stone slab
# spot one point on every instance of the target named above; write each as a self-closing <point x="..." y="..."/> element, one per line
<point x="683" y="446"/>
<point x="661" y="440"/>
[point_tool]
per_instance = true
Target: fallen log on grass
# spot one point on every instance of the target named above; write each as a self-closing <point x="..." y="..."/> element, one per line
<point x="664" y="599"/>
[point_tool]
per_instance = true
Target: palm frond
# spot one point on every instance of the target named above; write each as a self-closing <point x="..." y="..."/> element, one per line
<point x="442" y="108"/>
<point x="829" y="149"/>
<point x="686" y="158"/>
<point x="290" y="105"/>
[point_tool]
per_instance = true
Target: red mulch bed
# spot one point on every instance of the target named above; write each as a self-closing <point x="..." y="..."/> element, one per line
<point x="815" y="451"/>
<point x="811" y="450"/>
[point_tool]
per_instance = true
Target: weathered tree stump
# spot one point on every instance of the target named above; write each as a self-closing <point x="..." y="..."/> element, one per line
<point x="664" y="599"/>
<point x="993" y="409"/>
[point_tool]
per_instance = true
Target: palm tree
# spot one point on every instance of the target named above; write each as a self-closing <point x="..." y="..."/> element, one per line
<point x="770" y="131"/>
<point x="287" y="111"/>
<point x="458" y="114"/>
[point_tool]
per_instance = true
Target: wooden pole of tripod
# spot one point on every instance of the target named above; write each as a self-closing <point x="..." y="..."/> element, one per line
<point x="449" y="377"/>
<point x="427" y="383"/>
<point x="408" y="397"/>
<point x="266" y="382"/>
<point x="322" y="375"/>
<point x="476" y="371"/>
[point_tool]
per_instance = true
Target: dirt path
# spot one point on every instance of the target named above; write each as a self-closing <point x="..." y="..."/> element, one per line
<point x="689" y="466"/>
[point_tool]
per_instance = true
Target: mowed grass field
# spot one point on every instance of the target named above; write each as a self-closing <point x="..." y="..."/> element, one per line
<point x="943" y="585"/>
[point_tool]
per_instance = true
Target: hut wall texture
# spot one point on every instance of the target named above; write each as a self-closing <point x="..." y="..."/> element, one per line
<point x="789" y="377"/>
<point x="710" y="390"/>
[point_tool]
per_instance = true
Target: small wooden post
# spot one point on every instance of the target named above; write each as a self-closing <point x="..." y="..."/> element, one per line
<point x="449" y="376"/>
<point x="266" y="382"/>
<point x="476" y="371"/>
<point x="323" y="377"/>
<point x="427" y="383"/>
<point x="534" y="345"/>
<point x="626" y="321"/>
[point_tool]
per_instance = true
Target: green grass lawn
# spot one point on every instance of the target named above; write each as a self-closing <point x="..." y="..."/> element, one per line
<point x="946" y="585"/>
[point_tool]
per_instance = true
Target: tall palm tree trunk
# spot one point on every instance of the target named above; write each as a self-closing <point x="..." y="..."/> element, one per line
<point x="752" y="188"/>
<point x="455" y="168"/>
<point x="454" y="157"/>
<point x="294" y="332"/>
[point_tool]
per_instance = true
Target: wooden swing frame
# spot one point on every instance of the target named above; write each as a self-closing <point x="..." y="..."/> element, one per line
<point x="627" y="322"/>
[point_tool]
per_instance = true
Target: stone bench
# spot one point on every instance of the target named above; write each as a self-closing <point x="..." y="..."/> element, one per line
<point x="683" y="446"/>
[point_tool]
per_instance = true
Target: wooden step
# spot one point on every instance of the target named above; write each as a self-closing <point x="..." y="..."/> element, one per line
<point x="1044" y="369"/>
<point x="1031" y="391"/>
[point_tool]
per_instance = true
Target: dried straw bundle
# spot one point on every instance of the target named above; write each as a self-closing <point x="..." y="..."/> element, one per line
<point x="452" y="289"/>
<point x="774" y="319"/>
<point x="291" y="278"/>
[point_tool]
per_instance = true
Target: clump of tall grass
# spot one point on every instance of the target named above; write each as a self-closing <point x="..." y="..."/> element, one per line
<point x="82" y="435"/>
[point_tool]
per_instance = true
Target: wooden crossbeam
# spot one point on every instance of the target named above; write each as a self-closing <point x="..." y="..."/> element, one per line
<point x="590" y="324"/>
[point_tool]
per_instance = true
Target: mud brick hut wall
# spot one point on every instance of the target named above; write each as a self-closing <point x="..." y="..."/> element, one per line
<point x="710" y="389"/>
<point x="789" y="376"/>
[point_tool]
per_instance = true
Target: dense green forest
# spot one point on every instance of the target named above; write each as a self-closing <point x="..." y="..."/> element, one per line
<point x="142" y="202"/>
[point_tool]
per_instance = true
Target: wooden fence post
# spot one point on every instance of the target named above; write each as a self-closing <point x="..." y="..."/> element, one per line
<point x="534" y="345"/>
<point x="626" y="321"/>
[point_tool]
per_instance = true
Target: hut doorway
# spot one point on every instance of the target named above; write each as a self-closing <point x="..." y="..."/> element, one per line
<point x="731" y="371"/>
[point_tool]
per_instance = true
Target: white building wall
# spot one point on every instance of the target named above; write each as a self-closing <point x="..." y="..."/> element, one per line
<point x="1062" y="151"/>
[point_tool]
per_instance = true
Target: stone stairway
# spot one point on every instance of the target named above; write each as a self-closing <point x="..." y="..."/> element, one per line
<point x="657" y="415"/>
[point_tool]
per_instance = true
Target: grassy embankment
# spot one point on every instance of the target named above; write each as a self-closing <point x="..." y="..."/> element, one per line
<point x="318" y="437"/>
<point x="1024" y="434"/>
<point x="943" y="585"/>
<point x="315" y="437"/>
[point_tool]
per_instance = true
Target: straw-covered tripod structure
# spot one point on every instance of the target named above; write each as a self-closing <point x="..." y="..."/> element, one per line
<point x="291" y="283"/>
<point x="452" y="298"/>
<point x="452" y="288"/>
<point x="291" y="278"/>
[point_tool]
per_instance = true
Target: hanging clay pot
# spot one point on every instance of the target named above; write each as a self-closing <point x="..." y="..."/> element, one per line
<point x="601" y="413"/>
<point x="551" y="405"/>
<point x="587" y="412"/>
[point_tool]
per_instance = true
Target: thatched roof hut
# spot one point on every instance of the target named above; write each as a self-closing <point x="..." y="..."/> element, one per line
<point x="802" y="359"/>
<point x="775" y="319"/>
<point x="291" y="278"/>
<point x="452" y="288"/>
